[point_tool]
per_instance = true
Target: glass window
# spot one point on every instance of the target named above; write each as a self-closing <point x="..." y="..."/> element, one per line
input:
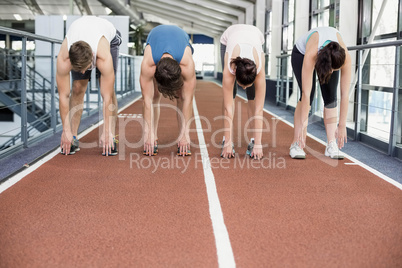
<point x="268" y="44"/>
<point x="288" y="26"/>
<point x="382" y="66"/>
<point x="388" y="22"/>
<point x="379" y="114"/>
<point x="321" y="11"/>
<point x="204" y="58"/>
<point x="17" y="45"/>
<point x="318" y="4"/>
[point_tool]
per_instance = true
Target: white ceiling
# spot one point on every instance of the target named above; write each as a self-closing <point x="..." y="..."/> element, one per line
<point x="210" y="17"/>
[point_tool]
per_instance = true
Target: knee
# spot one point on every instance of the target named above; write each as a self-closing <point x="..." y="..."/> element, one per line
<point x="330" y="104"/>
<point x="157" y="97"/>
<point x="79" y="87"/>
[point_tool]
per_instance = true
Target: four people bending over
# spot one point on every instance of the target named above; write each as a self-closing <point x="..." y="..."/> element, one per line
<point x="168" y="70"/>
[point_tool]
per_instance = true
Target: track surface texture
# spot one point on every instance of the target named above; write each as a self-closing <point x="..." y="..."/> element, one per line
<point x="131" y="210"/>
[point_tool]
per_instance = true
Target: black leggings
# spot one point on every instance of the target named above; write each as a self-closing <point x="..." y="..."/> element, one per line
<point x="250" y="91"/>
<point x="328" y="91"/>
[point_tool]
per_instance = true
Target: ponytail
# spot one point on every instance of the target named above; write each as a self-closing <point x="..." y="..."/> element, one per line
<point x="330" y="57"/>
<point x="246" y="70"/>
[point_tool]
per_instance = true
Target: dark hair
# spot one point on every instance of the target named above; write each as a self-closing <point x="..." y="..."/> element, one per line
<point x="168" y="77"/>
<point x="246" y="70"/>
<point x="80" y="55"/>
<point x="330" y="57"/>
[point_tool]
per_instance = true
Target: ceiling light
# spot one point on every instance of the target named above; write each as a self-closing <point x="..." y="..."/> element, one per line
<point x="108" y="10"/>
<point x="17" y="17"/>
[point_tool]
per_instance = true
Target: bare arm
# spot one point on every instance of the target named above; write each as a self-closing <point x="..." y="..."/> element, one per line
<point x="228" y="82"/>
<point x="260" y="89"/>
<point x="187" y="94"/>
<point x="104" y="63"/>
<point x="345" y="84"/>
<point x="147" y="90"/>
<point x="63" y="87"/>
<point x="307" y="83"/>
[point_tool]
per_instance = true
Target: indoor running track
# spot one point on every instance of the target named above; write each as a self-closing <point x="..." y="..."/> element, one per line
<point x="87" y="210"/>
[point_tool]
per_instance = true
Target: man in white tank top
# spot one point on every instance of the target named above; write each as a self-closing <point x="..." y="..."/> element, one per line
<point x="90" y="42"/>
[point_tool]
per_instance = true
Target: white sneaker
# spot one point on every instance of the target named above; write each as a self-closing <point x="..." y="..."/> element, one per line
<point x="332" y="151"/>
<point x="296" y="152"/>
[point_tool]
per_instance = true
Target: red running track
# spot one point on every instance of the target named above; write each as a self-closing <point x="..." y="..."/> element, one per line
<point x="87" y="210"/>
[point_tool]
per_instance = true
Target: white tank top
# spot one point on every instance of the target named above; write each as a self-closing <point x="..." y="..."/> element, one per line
<point x="247" y="37"/>
<point x="326" y="35"/>
<point x="90" y="29"/>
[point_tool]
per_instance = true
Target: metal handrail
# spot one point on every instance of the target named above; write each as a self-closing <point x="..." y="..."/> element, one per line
<point x="126" y="75"/>
<point x="30" y="36"/>
<point x="376" y="45"/>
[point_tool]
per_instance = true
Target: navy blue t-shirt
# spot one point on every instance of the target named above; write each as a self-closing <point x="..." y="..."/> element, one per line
<point x="168" y="39"/>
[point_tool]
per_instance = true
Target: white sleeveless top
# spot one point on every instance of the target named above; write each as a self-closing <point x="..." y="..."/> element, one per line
<point x="247" y="37"/>
<point x="90" y="29"/>
<point x="326" y="35"/>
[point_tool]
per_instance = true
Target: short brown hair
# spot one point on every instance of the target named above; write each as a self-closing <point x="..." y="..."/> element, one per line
<point x="168" y="77"/>
<point x="80" y="55"/>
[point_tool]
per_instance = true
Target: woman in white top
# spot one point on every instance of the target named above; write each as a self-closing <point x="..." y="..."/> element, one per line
<point x="243" y="62"/>
<point x="321" y="50"/>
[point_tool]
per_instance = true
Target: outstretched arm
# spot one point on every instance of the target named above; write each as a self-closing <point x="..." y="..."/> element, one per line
<point x="228" y="82"/>
<point x="185" y="101"/>
<point x="63" y="87"/>
<point x="260" y="89"/>
<point x="147" y="90"/>
<point x="345" y="84"/>
<point x="307" y="83"/>
<point x="105" y="65"/>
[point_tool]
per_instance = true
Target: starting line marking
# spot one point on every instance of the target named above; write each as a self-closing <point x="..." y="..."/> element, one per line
<point x="16" y="178"/>
<point x="222" y="241"/>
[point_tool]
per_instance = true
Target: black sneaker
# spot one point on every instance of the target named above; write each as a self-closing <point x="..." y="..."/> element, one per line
<point x="73" y="149"/>
<point x="113" y="151"/>
<point x="250" y="148"/>
<point x="223" y="144"/>
<point x="188" y="153"/>
<point x="76" y="143"/>
<point x="156" y="150"/>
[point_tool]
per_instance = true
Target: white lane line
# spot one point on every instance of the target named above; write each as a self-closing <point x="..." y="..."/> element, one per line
<point x="370" y="169"/>
<point x="222" y="241"/>
<point x="19" y="176"/>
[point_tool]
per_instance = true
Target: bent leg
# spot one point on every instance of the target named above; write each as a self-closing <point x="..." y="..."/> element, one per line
<point x="77" y="104"/>
<point x="251" y="114"/>
<point x="330" y="121"/>
<point x="114" y="113"/>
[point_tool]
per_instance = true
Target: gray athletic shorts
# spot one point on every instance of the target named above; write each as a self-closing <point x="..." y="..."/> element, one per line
<point x="114" y="50"/>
